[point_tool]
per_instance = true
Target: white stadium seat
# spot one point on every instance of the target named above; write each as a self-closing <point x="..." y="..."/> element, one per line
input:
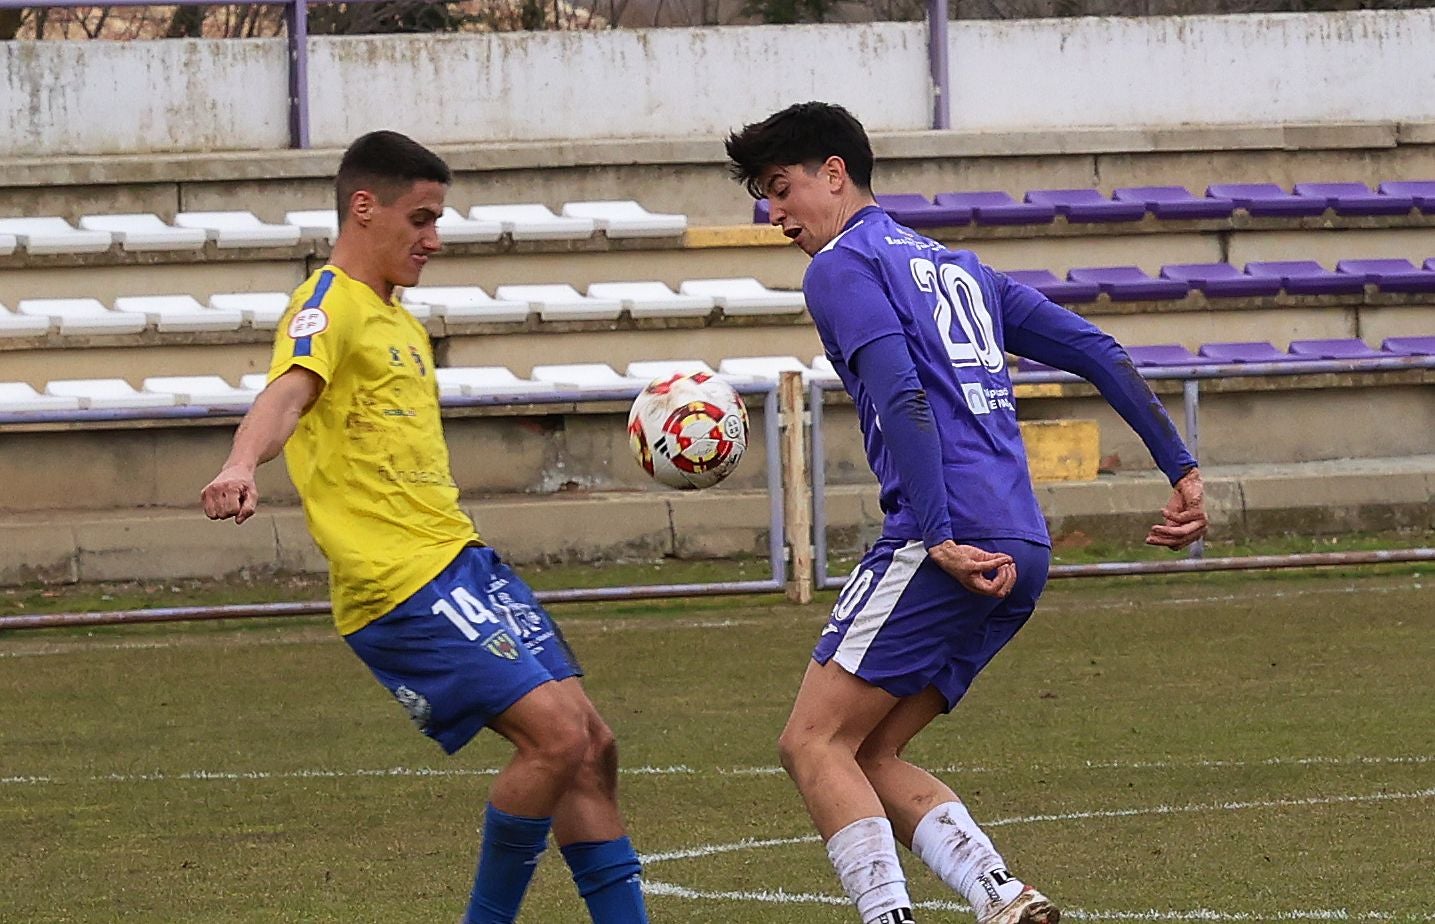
<point x="626" y="218"/>
<point x="82" y="316"/>
<point x="143" y="231"/>
<point x="254" y="381"/>
<point x="19" y="325"/>
<point x="453" y="228"/>
<point x="315" y="224"/>
<point x="746" y="296"/>
<point x="420" y="310"/>
<point x="822" y="368"/>
<point x="261" y="310"/>
<point x="20" y="396"/>
<point x="563" y="303"/>
<point x="7" y="244"/>
<point x="108" y="394"/>
<point x="533" y="222"/>
<point x="765" y="368"/>
<point x="239" y="229"/>
<point x="200" y="390"/>
<point x="653" y="299"/>
<point x="466" y="303"/>
<point x="650" y="369"/>
<point x="178" y="313"/>
<point x="476" y="381"/>
<point x="586" y="377"/>
<point x="55" y="235"/>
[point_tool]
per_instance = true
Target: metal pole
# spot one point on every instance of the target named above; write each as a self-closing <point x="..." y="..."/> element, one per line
<point x="776" y="514"/>
<point x="937" y="56"/>
<point x="819" y="487"/>
<point x="297" y="18"/>
<point x="1191" y="400"/>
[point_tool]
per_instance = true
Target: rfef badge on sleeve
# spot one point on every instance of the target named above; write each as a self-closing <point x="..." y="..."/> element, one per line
<point x="308" y="322"/>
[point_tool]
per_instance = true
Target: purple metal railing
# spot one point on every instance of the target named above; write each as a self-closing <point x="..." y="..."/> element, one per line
<point x="1190" y="377"/>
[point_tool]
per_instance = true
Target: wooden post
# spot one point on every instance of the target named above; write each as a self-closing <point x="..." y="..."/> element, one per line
<point x="796" y="492"/>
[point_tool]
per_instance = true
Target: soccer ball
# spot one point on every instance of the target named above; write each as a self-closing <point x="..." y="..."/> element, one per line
<point x="688" y="431"/>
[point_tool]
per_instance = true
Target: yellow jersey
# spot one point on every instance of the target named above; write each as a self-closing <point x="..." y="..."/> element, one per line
<point x="369" y="458"/>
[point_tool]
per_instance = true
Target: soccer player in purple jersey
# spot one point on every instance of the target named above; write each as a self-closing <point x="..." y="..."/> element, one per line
<point x="918" y="334"/>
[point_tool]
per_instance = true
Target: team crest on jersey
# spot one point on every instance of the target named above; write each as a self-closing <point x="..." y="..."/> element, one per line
<point x="418" y="359"/>
<point x="502" y="645"/>
<point x="307" y="322"/>
<point x="395" y="357"/>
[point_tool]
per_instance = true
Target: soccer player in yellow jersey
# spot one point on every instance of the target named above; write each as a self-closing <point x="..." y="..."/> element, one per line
<point x="440" y="620"/>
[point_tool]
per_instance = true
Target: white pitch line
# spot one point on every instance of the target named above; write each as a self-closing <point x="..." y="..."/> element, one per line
<point x="685" y="770"/>
<point x="783" y="897"/>
<point x="706" y="850"/>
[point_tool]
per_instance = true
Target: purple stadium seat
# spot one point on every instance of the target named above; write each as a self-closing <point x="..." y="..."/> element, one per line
<point x="917" y="211"/>
<point x="1390" y="275"/>
<point x="1332" y="349"/>
<point x="1129" y="283"/>
<point x="1163" y="354"/>
<point x="1221" y="280"/>
<point x="760" y="213"/>
<point x="1262" y="199"/>
<point x="1030" y="365"/>
<point x="1409" y="346"/>
<point x="1250" y="352"/>
<point x="1086" y="205"/>
<point x="998" y="208"/>
<point x="1421" y="192"/>
<point x="1354" y="199"/>
<point x="1058" y="290"/>
<point x="1307" y="277"/>
<point x="1176" y="202"/>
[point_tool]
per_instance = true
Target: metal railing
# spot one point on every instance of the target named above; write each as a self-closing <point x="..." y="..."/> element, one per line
<point x="296" y="22"/>
<point x="1190" y="378"/>
<point x="776" y="546"/>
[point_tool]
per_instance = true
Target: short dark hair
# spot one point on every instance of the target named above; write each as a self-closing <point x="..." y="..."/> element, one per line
<point x="803" y="133"/>
<point x="385" y="163"/>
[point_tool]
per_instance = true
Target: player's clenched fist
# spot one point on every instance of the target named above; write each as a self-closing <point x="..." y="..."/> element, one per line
<point x="231" y="494"/>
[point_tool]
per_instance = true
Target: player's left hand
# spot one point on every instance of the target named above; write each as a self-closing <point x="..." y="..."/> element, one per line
<point x="1184" y="515"/>
<point x="971" y="567"/>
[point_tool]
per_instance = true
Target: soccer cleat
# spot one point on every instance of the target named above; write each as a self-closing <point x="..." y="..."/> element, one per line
<point x="1030" y="907"/>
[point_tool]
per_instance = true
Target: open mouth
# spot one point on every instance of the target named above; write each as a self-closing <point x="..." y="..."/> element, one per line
<point x="792" y="233"/>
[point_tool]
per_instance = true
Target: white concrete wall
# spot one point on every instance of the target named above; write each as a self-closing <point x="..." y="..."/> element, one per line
<point x="619" y="84"/>
<point x="60" y="98"/>
<point x="1136" y="73"/>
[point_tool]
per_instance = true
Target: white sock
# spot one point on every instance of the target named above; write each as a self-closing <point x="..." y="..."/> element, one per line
<point x="865" y="856"/>
<point x="952" y="845"/>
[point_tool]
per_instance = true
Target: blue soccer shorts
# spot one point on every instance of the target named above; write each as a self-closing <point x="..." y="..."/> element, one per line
<point x="465" y="647"/>
<point x="903" y="624"/>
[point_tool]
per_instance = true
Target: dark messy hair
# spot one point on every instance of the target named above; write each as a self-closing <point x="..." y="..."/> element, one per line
<point x="803" y="133"/>
<point x="386" y="164"/>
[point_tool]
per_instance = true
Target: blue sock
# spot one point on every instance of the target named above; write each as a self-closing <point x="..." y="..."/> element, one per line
<point x="506" y="861"/>
<point x="607" y="874"/>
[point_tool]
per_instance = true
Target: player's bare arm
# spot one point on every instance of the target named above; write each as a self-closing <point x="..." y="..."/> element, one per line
<point x="261" y="436"/>
<point x="1184" y="515"/>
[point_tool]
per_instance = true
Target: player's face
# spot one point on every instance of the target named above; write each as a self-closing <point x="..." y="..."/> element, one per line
<point x="806" y="203"/>
<point x="404" y="231"/>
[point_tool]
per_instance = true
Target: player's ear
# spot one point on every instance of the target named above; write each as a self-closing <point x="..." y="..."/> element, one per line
<point x="834" y="170"/>
<point x="361" y="206"/>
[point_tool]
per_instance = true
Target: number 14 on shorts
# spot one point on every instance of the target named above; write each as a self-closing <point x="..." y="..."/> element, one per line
<point x="469" y="612"/>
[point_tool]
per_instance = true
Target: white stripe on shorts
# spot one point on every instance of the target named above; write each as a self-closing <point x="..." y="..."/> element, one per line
<point x="869" y="620"/>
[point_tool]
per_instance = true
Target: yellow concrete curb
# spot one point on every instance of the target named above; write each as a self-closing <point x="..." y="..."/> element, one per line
<point x="735" y="236"/>
<point x="1062" y="450"/>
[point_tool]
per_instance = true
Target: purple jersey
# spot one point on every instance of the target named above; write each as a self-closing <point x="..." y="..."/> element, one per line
<point x="879" y="278"/>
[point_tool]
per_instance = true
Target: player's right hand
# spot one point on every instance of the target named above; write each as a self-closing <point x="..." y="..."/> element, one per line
<point x="970" y="566"/>
<point x="232" y="493"/>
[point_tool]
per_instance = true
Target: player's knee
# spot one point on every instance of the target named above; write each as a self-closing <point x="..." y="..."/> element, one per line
<point x="872" y="758"/>
<point x="602" y="756"/>
<point x="794" y="746"/>
<point x="563" y="747"/>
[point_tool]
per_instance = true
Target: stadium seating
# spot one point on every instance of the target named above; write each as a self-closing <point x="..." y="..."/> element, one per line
<point x="179" y="313"/>
<point x="653" y="300"/>
<point x="51" y="235"/>
<point x="588" y="377"/>
<point x="21" y="397"/>
<point x="108" y="394"/>
<point x="562" y="303"/>
<point x="1129" y="283"/>
<point x="453" y="228"/>
<point x="315" y="224"/>
<point x="16" y="325"/>
<point x="1059" y="290"/>
<point x="200" y="390"/>
<point x="1221" y="279"/>
<point x="238" y="229"/>
<point x="1307" y="277"/>
<point x="1390" y="275"/>
<point x="1086" y="205"/>
<point x="1344" y="348"/>
<point x="1421" y="192"/>
<point x="997" y="208"/>
<point x="1176" y="202"/>
<point x="1267" y="200"/>
<point x="260" y="310"/>
<point x="747" y="296"/>
<point x="1354" y="199"/>
<point x="141" y="232"/>
<point x="81" y="316"/>
<point x="466" y="304"/>
<point x="626" y="218"/>
<point x="476" y="381"/>
<point x="911" y="210"/>
<point x="534" y="222"/>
